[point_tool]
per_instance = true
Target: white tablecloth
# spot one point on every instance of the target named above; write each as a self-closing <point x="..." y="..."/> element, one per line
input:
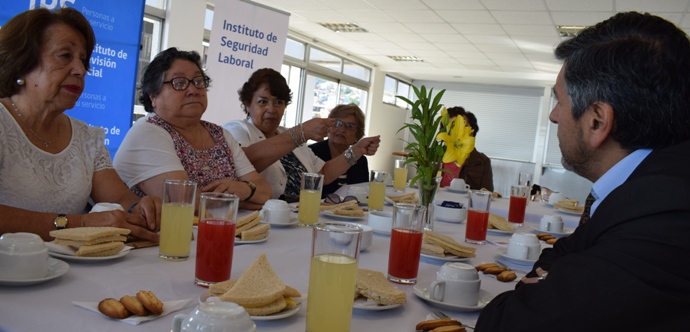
<point x="48" y="306"/>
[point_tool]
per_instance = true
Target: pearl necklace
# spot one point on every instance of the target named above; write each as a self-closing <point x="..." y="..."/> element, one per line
<point x="45" y="142"/>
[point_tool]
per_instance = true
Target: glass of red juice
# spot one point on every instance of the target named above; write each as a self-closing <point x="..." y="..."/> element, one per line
<point x="406" y="243"/>
<point x="477" y="216"/>
<point x="215" y="237"/>
<point x="518" y="204"/>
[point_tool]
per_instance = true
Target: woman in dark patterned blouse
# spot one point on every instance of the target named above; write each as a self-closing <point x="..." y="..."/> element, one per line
<point x="174" y="143"/>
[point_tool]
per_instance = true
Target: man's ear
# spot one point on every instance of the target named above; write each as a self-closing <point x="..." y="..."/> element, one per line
<point x="599" y="122"/>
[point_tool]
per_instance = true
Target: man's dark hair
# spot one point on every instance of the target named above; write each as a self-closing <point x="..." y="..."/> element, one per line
<point x="472" y="122"/>
<point x="640" y="65"/>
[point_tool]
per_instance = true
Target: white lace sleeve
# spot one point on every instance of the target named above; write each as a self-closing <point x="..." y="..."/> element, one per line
<point x="102" y="160"/>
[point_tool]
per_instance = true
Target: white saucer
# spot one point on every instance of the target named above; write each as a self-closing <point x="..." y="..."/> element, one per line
<point x="278" y="315"/>
<point x="250" y="242"/>
<point x="89" y="259"/>
<point x="382" y="232"/>
<point x="454" y="221"/>
<point x="565" y="232"/>
<point x="364" y="304"/>
<point x="293" y="221"/>
<point x="569" y="212"/>
<point x="457" y="191"/>
<point x="498" y="231"/>
<point x="502" y="252"/>
<point x="56" y="268"/>
<point x="330" y="214"/>
<point x="421" y="289"/>
<point x="448" y="258"/>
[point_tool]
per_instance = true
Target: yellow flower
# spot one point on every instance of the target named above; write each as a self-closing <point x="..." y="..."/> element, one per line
<point x="458" y="141"/>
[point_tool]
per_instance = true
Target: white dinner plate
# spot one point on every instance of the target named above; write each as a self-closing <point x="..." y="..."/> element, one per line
<point x="382" y="232"/>
<point x="572" y="213"/>
<point x="363" y="303"/>
<point x="293" y="221"/>
<point x="548" y="204"/>
<point x="502" y="252"/>
<point x="498" y="231"/>
<point x="447" y="258"/>
<point x="421" y="289"/>
<point x="330" y="214"/>
<point x="565" y="232"/>
<point x="238" y="241"/>
<point x="89" y="259"/>
<point x="56" y="268"/>
<point x="278" y="315"/>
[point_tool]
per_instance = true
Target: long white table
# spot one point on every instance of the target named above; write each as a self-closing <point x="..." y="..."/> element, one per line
<point x="48" y="306"/>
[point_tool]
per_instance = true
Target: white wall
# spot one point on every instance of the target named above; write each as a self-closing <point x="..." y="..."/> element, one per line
<point x="184" y="25"/>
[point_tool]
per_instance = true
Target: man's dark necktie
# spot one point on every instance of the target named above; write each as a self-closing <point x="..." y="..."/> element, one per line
<point x="588" y="205"/>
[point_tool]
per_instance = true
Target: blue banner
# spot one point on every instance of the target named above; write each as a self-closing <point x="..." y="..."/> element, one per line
<point x="108" y="98"/>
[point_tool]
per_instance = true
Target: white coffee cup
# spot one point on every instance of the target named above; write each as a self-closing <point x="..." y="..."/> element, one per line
<point x="22" y="256"/>
<point x="524" y="246"/>
<point x="459" y="185"/>
<point x="551" y="223"/>
<point x="456" y="283"/>
<point x="102" y="207"/>
<point x="275" y="211"/>
<point x="214" y="315"/>
<point x="555" y="197"/>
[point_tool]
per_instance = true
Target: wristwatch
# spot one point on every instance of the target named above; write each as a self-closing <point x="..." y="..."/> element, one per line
<point x="350" y="156"/>
<point x="252" y="187"/>
<point x="60" y="221"/>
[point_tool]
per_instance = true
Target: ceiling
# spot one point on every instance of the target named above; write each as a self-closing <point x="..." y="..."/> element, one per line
<point x="505" y="42"/>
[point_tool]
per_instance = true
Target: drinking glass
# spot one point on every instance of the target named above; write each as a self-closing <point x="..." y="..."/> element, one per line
<point x="406" y="242"/>
<point x="377" y="190"/>
<point x="310" y="198"/>
<point x="525" y="179"/>
<point x="216" y="237"/>
<point x="518" y="204"/>
<point x="177" y="217"/>
<point x="332" y="275"/>
<point x="477" y="216"/>
<point x="400" y="175"/>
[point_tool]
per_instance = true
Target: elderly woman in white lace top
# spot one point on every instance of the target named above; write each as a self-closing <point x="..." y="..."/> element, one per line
<point x="51" y="164"/>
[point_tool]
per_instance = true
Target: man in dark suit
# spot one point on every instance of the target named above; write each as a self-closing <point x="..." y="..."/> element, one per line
<point x="623" y="117"/>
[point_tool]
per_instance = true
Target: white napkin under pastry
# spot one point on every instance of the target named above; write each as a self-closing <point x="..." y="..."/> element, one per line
<point x="168" y="308"/>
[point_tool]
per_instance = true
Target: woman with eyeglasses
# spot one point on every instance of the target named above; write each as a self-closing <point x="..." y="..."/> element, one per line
<point x="347" y="129"/>
<point x="280" y="153"/>
<point x="174" y="143"/>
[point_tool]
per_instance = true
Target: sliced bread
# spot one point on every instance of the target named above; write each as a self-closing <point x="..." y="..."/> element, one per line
<point x="102" y="239"/>
<point x="448" y="244"/>
<point x="257" y="232"/>
<point x="271" y="308"/>
<point x="84" y="234"/>
<point x="258" y="286"/>
<point x="101" y="249"/>
<point x="247" y="222"/>
<point x="374" y="285"/>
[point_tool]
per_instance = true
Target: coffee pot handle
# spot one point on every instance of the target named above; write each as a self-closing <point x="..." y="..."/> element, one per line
<point x="177" y="322"/>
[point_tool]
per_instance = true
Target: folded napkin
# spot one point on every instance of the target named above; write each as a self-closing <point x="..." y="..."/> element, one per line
<point x="70" y="250"/>
<point x="168" y="308"/>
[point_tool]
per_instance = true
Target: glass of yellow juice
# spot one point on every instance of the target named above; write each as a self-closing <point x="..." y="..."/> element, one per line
<point x="332" y="275"/>
<point x="400" y="175"/>
<point x="377" y="189"/>
<point x="177" y="217"/>
<point x="310" y="198"/>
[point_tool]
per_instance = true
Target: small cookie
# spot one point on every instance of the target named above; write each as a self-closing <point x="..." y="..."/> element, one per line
<point x="541" y="236"/>
<point x="134" y="305"/>
<point x="113" y="309"/>
<point x="506" y="276"/>
<point x="150" y="302"/>
<point x="482" y="267"/>
<point x="551" y="241"/>
<point x="495" y="270"/>
<point x="435" y="323"/>
<point x="449" y="328"/>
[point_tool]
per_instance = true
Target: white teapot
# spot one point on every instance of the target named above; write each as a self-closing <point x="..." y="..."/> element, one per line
<point x="215" y="315"/>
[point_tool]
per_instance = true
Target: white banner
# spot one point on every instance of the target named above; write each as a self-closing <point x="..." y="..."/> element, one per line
<point x="245" y="36"/>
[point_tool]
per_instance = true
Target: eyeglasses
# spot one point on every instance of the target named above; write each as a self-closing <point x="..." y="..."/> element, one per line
<point x="182" y="83"/>
<point x="335" y="199"/>
<point x="348" y="125"/>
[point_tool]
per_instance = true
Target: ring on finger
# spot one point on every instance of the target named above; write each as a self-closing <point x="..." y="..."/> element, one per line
<point x="542" y="276"/>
